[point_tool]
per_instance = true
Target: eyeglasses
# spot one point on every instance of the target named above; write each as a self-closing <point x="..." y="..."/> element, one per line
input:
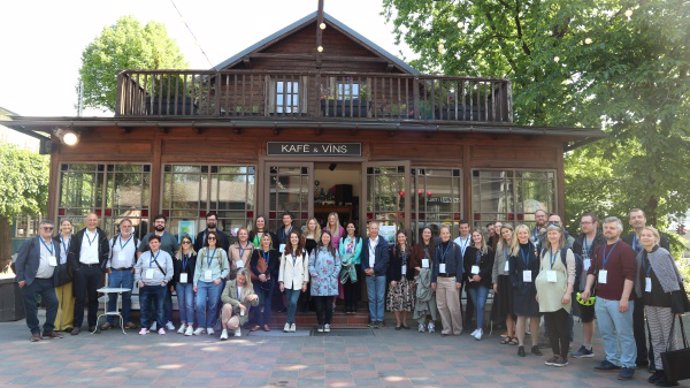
<point x="186" y="242"/>
<point x="47" y="228"/>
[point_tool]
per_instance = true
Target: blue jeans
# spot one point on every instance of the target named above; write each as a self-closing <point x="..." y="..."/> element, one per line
<point x="120" y="279"/>
<point x="616" y="330"/>
<point x="207" y="297"/>
<point x="185" y="302"/>
<point x="147" y="295"/>
<point x="478" y="296"/>
<point x="292" y="298"/>
<point x="261" y="314"/>
<point x="376" y="291"/>
<point x="44" y="288"/>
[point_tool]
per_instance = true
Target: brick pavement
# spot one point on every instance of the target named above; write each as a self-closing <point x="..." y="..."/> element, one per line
<point x="388" y="358"/>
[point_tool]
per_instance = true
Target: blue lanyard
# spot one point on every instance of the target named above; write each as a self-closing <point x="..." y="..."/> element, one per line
<point x="524" y="253"/>
<point x="89" y="239"/>
<point x="241" y="250"/>
<point x="122" y="247"/>
<point x="210" y="258"/>
<point x="185" y="259"/>
<point x="65" y="248"/>
<point x="51" y="249"/>
<point x="635" y="246"/>
<point x="552" y="258"/>
<point x="154" y="258"/>
<point x="587" y="249"/>
<point x="266" y="255"/>
<point x="477" y="257"/>
<point x="444" y="252"/>
<point x="606" y="257"/>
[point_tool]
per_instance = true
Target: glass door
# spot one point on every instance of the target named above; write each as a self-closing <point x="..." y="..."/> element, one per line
<point x="386" y="199"/>
<point x="290" y="189"/>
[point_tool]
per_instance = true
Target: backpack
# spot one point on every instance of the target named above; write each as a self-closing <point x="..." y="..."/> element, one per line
<point x="579" y="266"/>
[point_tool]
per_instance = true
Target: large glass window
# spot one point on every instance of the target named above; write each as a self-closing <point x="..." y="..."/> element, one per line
<point x="438" y="199"/>
<point x="387" y="196"/>
<point x="112" y="191"/>
<point x="191" y="191"/>
<point x="290" y="190"/>
<point x="511" y="195"/>
<point x="287" y="97"/>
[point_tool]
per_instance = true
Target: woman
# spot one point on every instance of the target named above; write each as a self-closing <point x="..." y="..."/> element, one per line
<point x="264" y="272"/>
<point x="185" y="263"/>
<point x="659" y="283"/>
<point x="211" y="268"/>
<point x="524" y="266"/>
<point x="64" y="321"/>
<point x="335" y="229"/>
<point x="479" y="263"/>
<point x="311" y="235"/>
<point x="401" y="282"/>
<point x="240" y="253"/>
<point x="237" y="296"/>
<point x="152" y="272"/>
<point x="503" y="285"/>
<point x="446" y="280"/>
<point x="293" y="276"/>
<point x="425" y="298"/>
<point x="324" y="270"/>
<point x="554" y="289"/>
<point x="350" y="250"/>
<point x="258" y="230"/>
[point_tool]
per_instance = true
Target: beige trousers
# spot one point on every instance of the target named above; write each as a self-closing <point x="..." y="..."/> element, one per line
<point x="448" y="302"/>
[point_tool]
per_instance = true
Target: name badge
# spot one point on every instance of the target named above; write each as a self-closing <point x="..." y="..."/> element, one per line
<point x="551" y="276"/>
<point x="52" y="261"/>
<point x="602" y="276"/>
<point x="240" y="263"/>
<point x="121" y="256"/>
<point x="647" y="284"/>
<point x="403" y="270"/>
<point x="208" y="275"/>
<point x="183" y="278"/>
<point x="474" y="270"/>
<point x="425" y="263"/>
<point x="527" y="276"/>
<point x="586" y="264"/>
<point x="442" y="267"/>
<point x="282" y="248"/>
<point x="148" y="275"/>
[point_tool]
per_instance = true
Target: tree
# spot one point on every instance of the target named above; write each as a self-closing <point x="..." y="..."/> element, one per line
<point x="125" y="45"/>
<point x="23" y="190"/>
<point x="620" y="65"/>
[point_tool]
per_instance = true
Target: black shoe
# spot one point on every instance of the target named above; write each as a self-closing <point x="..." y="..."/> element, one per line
<point x="75" y="331"/>
<point x="521" y="351"/>
<point x="535" y="350"/>
<point x="398" y="327"/>
<point x="92" y="328"/>
<point x="607" y="365"/>
<point x="642" y="363"/>
<point x="656" y="376"/>
<point x="626" y="374"/>
<point x="665" y="383"/>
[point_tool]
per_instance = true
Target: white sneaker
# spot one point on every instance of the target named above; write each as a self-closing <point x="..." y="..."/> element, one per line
<point x="170" y="326"/>
<point x="286" y="328"/>
<point x="421" y="328"/>
<point x="293" y="328"/>
<point x="199" y="331"/>
<point x="189" y="331"/>
<point x="153" y="327"/>
<point x="161" y="331"/>
<point x="432" y="327"/>
<point x="143" y="331"/>
<point x="479" y="334"/>
<point x="327" y="328"/>
<point x="224" y="335"/>
<point x="210" y="331"/>
<point x="474" y="333"/>
<point x="182" y="329"/>
<point x="320" y="329"/>
<point x="238" y="332"/>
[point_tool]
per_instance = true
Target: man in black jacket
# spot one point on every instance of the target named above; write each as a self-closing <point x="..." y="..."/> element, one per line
<point x="375" y="260"/>
<point x="88" y="255"/>
<point x="211" y="226"/>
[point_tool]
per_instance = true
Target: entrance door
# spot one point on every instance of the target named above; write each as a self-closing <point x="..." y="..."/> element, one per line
<point x="289" y="188"/>
<point x="386" y="189"/>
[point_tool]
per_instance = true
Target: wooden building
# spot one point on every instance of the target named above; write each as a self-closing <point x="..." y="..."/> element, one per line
<point x="315" y="118"/>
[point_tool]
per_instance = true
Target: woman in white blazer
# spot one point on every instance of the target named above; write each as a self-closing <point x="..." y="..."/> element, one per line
<point x="293" y="276"/>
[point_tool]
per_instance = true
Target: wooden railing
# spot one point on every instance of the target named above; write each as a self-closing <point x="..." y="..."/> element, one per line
<point x="271" y="94"/>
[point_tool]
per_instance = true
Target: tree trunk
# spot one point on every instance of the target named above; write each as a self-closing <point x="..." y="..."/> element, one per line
<point x="651" y="210"/>
<point x="5" y="244"/>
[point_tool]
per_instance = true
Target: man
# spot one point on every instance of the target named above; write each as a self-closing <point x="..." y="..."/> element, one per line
<point x="283" y="232"/>
<point x="492" y="234"/>
<point x="120" y="269"/>
<point x="539" y="230"/>
<point x="375" y="258"/>
<point x="589" y="241"/>
<point x="169" y="245"/>
<point x="613" y="268"/>
<point x="555" y="219"/>
<point x="36" y="266"/>
<point x="211" y="226"/>
<point x="638" y="220"/>
<point x="88" y="255"/>
<point x="464" y="241"/>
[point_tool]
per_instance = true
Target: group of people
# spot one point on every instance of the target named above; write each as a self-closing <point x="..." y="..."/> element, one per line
<point x="532" y="272"/>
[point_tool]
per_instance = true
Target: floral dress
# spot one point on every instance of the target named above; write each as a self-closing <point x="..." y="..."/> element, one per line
<point x="324" y="271"/>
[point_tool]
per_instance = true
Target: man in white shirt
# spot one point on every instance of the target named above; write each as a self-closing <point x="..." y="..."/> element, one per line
<point x="120" y="271"/>
<point x="464" y="241"/>
<point x="375" y="257"/>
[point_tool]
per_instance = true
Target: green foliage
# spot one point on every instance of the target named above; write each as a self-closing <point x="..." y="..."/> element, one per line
<point x="23" y="182"/>
<point x="125" y="45"/>
<point x="620" y="65"/>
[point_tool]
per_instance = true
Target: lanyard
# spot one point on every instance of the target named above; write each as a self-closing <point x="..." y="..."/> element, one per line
<point x="444" y="252"/>
<point x="91" y="240"/>
<point x="154" y="258"/>
<point x="606" y="257"/>
<point x="587" y="248"/>
<point x="241" y="250"/>
<point x="463" y="246"/>
<point x="635" y="246"/>
<point x="185" y="259"/>
<point x="477" y="257"/>
<point x="266" y="255"/>
<point x="552" y="258"/>
<point x="122" y="247"/>
<point x="51" y="249"/>
<point x="524" y="253"/>
<point x="350" y="245"/>
<point x="372" y="248"/>
<point x="648" y="266"/>
<point x="65" y="248"/>
<point x="294" y="258"/>
<point x="427" y="255"/>
<point x="210" y="258"/>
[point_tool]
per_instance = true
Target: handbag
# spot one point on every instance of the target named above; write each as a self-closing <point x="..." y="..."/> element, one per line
<point x="63" y="274"/>
<point x="676" y="362"/>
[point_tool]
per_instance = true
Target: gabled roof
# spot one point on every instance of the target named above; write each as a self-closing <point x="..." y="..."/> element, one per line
<point x="311" y="18"/>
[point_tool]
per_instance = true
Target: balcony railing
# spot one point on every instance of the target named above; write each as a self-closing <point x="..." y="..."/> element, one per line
<point x="310" y="95"/>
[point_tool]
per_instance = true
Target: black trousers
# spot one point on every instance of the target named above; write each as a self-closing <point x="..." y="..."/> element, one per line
<point x="324" y="309"/>
<point x="643" y="356"/>
<point x="87" y="279"/>
<point x="559" y="332"/>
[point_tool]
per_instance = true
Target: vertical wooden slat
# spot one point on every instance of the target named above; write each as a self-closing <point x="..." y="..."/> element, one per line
<point x="433" y="99"/>
<point x="399" y="101"/>
<point x="390" y="96"/>
<point x="470" y="86"/>
<point x="184" y="96"/>
<point x="160" y="94"/>
<point x="235" y="99"/>
<point x="407" y="98"/>
<point x="216" y="92"/>
<point x="352" y="99"/>
<point x="415" y="97"/>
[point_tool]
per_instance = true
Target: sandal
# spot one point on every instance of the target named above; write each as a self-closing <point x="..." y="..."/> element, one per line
<point x="255" y="328"/>
<point x="514" y="341"/>
<point x="506" y="340"/>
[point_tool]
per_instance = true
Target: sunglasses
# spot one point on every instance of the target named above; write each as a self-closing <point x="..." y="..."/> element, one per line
<point x="47" y="228"/>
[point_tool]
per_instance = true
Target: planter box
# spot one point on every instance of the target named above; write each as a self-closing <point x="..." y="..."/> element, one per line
<point x="11" y="301"/>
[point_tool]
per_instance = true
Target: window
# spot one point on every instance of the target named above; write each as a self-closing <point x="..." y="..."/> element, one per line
<point x="347" y="90"/>
<point x="191" y="191"/>
<point x="112" y="191"/>
<point x="512" y="195"/>
<point x="26" y="225"/>
<point x="438" y="199"/>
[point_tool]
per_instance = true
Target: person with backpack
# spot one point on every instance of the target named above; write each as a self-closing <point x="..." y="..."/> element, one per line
<point x="152" y="273"/>
<point x="554" y="292"/>
<point x="350" y="249"/>
<point x="120" y="270"/>
<point x="212" y="267"/>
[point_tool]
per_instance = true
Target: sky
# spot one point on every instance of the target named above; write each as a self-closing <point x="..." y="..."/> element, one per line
<point x="42" y="40"/>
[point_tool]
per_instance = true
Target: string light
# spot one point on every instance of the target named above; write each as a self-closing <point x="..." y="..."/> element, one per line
<point x="556" y="59"/>
<point x="322" y="26"/>
<point x="319" y="49"/>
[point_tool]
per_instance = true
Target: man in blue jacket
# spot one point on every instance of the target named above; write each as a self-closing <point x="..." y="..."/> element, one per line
<point x="36" y="266"/>
<point x="375" y="257"/>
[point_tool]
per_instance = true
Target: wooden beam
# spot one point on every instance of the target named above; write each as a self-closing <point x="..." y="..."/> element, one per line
<point x="311" y="57"/>
<point x="319" y="33"/>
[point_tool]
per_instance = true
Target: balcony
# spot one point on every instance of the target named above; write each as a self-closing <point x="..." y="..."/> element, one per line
<point x="319" y="96"/>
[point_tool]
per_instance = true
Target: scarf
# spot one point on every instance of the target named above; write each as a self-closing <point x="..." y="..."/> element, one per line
<point x="663" y="266"/>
